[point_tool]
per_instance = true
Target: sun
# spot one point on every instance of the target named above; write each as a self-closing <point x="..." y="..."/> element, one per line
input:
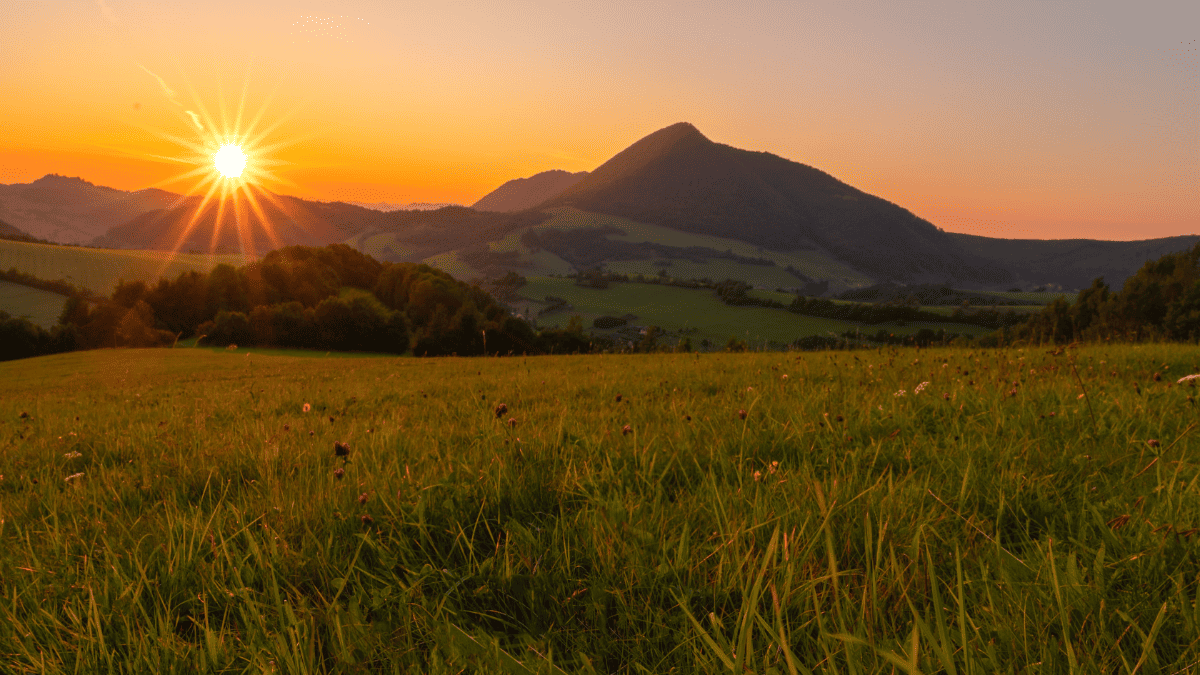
<point x="230" y="160"/>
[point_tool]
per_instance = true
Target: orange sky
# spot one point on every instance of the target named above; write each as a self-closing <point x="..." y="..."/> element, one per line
<point x="1017" y="119"/>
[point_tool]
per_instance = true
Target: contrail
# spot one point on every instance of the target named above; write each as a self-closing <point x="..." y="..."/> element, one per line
<point x="169" y="92"/>
<point x="172" y="97"/>
<point x="107" y="12"/>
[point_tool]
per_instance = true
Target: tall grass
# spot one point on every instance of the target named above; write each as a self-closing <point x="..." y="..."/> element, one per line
<point x="177" y="511"/>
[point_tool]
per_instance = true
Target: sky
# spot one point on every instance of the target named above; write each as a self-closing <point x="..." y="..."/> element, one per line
<point x="1020" y="119"/>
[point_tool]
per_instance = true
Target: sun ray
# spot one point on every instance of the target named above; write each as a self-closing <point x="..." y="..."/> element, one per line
<point x="262" y="217"/>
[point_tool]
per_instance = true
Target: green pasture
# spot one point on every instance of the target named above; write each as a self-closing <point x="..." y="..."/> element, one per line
<point x="543" y="263"/>
<point x="876" y="511"/>
<point x="1038" y="299"/>
<point x="101" y="269"/>
<point x="698" y="311"/>
<point x="40" y="307"/>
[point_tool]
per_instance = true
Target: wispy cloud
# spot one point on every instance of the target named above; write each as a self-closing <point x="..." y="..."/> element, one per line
<point x="195" y="119"/>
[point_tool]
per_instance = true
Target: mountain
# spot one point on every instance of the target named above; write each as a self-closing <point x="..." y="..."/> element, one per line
<point x="72" y="210"/>
<point x="525" y="193"/>
<point x="678" y="178"/>
<point x="1072" y="263"/>
<point x="388" y="207"/>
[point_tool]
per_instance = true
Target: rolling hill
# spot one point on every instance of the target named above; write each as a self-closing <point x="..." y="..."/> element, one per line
<point x="72" y="210"/>
<point x="526" y="193"/>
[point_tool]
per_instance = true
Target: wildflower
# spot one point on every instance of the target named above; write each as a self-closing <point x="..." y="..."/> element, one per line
<point x="1152" y="443"/>
<point x="1158" y="377"/>
<point x="945" y="396"/>
<point x="783" y="377"/>
<point x="311" y="432"/>
<point x="618" y="398"/>
<point x="742" y="414"/>
<point x="72" y="455"/>
<point x="287" y="427"/>
<point x="362" y="499"/>
<point x="500" y="410"/>
<point x="1187" y="378"/>
<point x="341" y="449"/>
<point x="898" y="394"/>
<point x="339" y="472"/>
<point x="626" y="430"/>
<point x="72" y="477"/>
<point x="920" y="387"/>
<point x="306" y="407"/>
<point x="512" y="422"/>
<point x="367" y="520"/>
<point x="757" y="476"/>
<point x="24" y="415"/>
<point x="774" y="465"/>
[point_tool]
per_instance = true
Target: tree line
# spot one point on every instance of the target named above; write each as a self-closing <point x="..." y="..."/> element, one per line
<point x="331" y="298"/>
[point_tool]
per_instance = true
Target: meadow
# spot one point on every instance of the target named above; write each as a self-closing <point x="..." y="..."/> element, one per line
<point x="100" y="270"/>
<point x="919" y="511"/>
<point x="698" y="312"/>
<point x="40" y="307"/>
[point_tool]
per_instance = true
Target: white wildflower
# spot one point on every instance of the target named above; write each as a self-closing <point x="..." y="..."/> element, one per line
<point x="1185" y="378"/>
<point x="73" y="476"/>
<point x="920" y="387"/>
<point x="900" y="393"/>
<point x="72" y="455"/>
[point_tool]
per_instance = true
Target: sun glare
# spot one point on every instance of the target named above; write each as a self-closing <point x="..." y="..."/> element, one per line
<point x="230" y="160"/>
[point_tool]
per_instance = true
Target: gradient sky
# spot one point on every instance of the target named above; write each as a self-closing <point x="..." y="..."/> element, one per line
<point x="1017" y="119"/>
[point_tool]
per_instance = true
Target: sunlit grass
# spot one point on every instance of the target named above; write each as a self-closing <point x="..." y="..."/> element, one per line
<point x="179" y="510"/>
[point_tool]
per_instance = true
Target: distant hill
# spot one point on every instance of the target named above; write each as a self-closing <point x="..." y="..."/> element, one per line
<point x="677" y="178"/>
<point x="525" y="193"/>
<point x="72" y="210"/>
<point x="288" y="221"/>
<point x="1072" y="263"/>
<point x="388" y="206"/>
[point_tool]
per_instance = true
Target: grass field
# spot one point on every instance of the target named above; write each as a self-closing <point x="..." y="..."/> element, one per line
<point x="184" y="511"/>
<point x="40" y="307"/>
<point x="674" y="308"/>
<point x="101" y="269"/>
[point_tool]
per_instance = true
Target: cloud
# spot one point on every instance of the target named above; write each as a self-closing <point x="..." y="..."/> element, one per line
<point x="107" y="12"/>
<point x="195" y="119"/>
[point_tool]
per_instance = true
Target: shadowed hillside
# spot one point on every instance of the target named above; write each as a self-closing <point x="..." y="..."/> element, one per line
<point x="525" y="193"/>
<point x="72" y="210"/>
<point x="677" y="178"/>
<point x="9" y="232"/>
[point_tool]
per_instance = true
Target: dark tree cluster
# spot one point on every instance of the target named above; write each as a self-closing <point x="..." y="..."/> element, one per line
<point x="332" y="298"/>
<point x="1160" y="302"/>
